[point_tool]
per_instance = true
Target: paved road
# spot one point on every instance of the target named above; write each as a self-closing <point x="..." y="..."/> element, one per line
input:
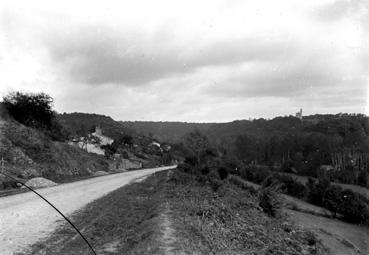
<point x="25" y="218"/>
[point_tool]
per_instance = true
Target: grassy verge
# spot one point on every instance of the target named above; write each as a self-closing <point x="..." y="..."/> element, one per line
<point x="123" y="222"/>
<point x="226" y="219"/>
<point x="175" y="213"/>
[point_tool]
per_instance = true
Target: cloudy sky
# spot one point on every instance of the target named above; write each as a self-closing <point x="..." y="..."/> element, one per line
<point x="189" y="60"/>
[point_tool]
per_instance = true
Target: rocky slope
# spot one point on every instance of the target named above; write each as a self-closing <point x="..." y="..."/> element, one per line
<point x="30" y="153"/>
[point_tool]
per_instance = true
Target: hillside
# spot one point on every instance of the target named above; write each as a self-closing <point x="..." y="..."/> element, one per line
<point x="30" y="153"/>
<point x="165" y="131"/>
<point x="81" y="124"/>
<point x="339" y="142"/>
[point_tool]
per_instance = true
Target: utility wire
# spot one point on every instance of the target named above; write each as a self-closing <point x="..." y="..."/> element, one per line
<point x="56" y="209"/>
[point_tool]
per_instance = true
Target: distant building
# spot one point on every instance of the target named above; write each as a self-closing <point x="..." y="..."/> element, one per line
<point x="104" y="140"/>
<point x="299" y="114"/>
<point x="98" y="130"/>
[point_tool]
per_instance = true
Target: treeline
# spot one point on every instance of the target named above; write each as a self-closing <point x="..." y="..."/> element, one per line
<point x="209" y="166"/>
<point x="82" y="124"/>
<point x="339" y="143"/>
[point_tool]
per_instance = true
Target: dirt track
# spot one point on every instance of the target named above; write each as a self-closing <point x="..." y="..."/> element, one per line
<point x="25" y="218"/>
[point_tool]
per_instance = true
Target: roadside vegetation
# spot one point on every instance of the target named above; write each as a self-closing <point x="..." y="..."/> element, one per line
<point x="226" y="219"/>
<point x="349" y="205"/>
<point x="201" y="218"/>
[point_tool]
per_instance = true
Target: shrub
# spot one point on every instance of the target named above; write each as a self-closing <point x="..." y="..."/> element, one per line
<point x="269" y="200"/>
<point x="291" y="186"/>
<point x="354" y="207"/>
<point x="333" y="199"/>
<point x="317" y="190"/>
<point x="270" y="180"/>
<point x="255" y="174"/>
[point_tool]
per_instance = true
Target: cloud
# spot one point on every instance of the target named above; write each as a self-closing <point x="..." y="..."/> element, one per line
<point x="212" y="61"/>
<point x="340" y="9"/>
<point x="98" y="55"/>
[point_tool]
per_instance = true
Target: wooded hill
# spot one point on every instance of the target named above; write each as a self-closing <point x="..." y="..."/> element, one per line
<point x="340" y="142"/>
<point x="337" y="142"/>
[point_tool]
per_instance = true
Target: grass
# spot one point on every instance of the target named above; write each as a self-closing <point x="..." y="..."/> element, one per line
<point x="123" y="222"/>
<point x="340" y="237"/>
<point x="288" y="201"/>
<point x="229" y="221"/>
<point x="172" y="211"/>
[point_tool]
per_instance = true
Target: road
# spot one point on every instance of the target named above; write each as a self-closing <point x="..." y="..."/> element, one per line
<point x="25" y="218"/>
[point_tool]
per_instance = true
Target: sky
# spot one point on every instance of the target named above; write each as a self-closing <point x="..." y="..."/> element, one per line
<point x="196" y="61"/>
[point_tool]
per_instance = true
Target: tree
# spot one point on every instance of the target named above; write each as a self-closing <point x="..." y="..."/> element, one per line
<point x="333" y="199"/>
<point x="363" y="178"/>
<point x="317" y="190"/>
<point x="34" y="110"/>
<point x="198" y="144"/>
<point x="354" y="207"/>
<point x="270" y="200"/>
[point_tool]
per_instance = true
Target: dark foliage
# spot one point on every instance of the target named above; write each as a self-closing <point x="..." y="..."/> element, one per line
<point x="81" y="124"/>
<point x="317" y="190"/>
<point x="354" y="207"/>
<point x="34" y="110"/>
<point x="223" y="173"/>
<point x="333" y="199"/>
<point x="285" y="143"/>
<point x="291" y="186"/>
<point x="269" y="199"/>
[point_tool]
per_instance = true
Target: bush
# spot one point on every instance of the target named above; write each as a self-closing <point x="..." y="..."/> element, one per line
<point x="34" y="110"/>
<point x="354" y="207"/>
<point x="317" y="190"/>
<point x="255" y="174"/>
<point x="291" y="186"/>
<point x="333" y="199"/>
<point x="270" y="201"/>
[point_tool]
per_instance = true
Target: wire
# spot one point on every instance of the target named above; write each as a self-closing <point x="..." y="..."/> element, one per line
<point x="56" y="209"/>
